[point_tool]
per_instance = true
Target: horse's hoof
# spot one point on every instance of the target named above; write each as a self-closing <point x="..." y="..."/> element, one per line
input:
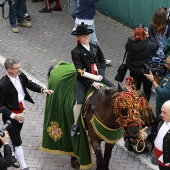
<point x="75" y="163"/>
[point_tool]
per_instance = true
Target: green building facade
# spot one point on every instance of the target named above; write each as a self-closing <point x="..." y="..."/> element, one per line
<point x="131" y="12"/>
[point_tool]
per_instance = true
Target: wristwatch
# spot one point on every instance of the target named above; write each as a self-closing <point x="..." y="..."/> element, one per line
<point x="152" y="81"/>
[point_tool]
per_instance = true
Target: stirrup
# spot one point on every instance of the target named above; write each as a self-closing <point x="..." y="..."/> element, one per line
<point x="75" y="130"/>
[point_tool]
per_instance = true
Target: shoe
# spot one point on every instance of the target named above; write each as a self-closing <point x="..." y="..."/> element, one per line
<point x="14" y="29"/>
<point x="154" y="161"/>
<point x="129" y="147"/>
<point x="51" y="1"/>
<point x="108" y="61"/>
<point x="24" y="24"/>
<point x="45" y="10"/>
<point x="26" y="169"/>
<point x="56" y="9"/>
<point x="27" y="18"/>
<point x="75" y="130"/>
<point x="15" y="162"/>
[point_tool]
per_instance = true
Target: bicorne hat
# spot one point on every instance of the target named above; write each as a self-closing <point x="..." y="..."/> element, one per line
<point x="82" y="30"/>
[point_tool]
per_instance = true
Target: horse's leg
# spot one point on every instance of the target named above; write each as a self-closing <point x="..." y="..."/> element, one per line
<point x="108" y="154"/>
<point x="99" y="157"/>
<point x="75" y="163"/>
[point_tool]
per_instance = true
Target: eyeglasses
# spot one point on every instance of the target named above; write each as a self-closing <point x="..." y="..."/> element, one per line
<point x="17" y="68"/>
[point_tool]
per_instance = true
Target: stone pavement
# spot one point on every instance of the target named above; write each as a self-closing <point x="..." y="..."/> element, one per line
<point x="47" y="42"/>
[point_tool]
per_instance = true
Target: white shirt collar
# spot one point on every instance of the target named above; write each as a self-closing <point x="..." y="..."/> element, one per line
<point x="168" y="124"/>
<point x="12" y="78"/>
<point x="87" y="47"/>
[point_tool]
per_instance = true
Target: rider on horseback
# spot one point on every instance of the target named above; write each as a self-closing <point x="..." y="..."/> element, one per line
<point x="86" y="56"/>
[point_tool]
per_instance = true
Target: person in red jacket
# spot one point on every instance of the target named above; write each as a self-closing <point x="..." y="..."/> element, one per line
<point x="48" y="8"/>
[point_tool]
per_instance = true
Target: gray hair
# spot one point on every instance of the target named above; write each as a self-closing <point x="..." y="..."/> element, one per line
<point x="10" y="62"/>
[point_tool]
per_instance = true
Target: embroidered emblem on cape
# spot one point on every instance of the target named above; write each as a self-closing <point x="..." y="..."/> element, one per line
<point x="54" y="131"/>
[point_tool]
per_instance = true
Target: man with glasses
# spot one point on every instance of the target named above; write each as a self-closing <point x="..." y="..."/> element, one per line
<point x="13" y="93"/>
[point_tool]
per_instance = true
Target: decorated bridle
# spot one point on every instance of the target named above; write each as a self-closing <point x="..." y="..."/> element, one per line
<point x="131" y="101"/>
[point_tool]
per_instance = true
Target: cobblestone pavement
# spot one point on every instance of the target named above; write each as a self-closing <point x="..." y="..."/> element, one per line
<point x="47" y="42"/>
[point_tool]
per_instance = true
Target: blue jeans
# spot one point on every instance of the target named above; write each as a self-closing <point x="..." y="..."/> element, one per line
<point x="73" y="8"/>
<point x="17" y="11"/>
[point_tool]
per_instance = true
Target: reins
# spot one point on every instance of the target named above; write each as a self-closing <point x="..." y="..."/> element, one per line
<point x="141" y="141"/>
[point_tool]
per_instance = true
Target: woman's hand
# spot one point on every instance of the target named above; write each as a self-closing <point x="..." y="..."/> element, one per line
<point x="100" y="77"/>
<point x="97" y="85"/>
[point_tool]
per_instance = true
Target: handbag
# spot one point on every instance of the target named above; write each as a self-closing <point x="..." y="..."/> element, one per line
<point x="121" y="72"/>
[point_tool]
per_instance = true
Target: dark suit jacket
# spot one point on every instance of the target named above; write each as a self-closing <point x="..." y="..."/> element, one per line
<point x="82" y="59"/>
<point x="9" y="94"/>
<point x="166" y="139"/>
<point x="6" y="161"/>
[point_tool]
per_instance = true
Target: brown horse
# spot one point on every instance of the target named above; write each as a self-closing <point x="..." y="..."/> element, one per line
<point x="115" y="109"/>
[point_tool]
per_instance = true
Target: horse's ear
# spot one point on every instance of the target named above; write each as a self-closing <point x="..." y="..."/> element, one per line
<point x="49" y="70"/>
<point x="119" y="88"/>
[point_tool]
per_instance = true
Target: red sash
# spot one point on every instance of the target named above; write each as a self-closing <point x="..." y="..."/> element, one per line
<point x="21" y="109"/>
<point x="92" y="69"/>
<point x="158" y="153"/>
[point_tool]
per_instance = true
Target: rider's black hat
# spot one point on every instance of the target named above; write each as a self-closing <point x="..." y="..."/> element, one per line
<point x="82" y="30"/>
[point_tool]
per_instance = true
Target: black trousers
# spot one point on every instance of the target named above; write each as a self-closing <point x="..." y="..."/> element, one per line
<point x="14" y="131"/>
<point x="81" y="89"/>
<point x="164" y="167"/>
<point x="147" y="85"/>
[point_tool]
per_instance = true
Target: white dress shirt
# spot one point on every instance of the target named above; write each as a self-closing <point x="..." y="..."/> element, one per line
<point x="21" y="95"/>
<point x="159" y="138"/>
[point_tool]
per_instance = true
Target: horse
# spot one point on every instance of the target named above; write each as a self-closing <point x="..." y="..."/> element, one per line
<point x="115" y="108"/>
<point x="110" y="111"/>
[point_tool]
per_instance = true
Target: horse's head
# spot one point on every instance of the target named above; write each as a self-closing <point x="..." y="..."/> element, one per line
<point x="128" y="106"/>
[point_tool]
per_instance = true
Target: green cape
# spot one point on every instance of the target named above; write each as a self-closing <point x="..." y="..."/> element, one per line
<point x="58" y="118"/>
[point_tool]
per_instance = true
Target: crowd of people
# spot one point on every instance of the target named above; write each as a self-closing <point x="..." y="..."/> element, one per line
<point x="145" y="44"/>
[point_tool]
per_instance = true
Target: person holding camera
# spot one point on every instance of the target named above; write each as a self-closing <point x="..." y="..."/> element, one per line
<point x="163" y="89"/>
<point x="5" y="161"/>
<point x="140" y="49"/>
<point x="13" y="93"/>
